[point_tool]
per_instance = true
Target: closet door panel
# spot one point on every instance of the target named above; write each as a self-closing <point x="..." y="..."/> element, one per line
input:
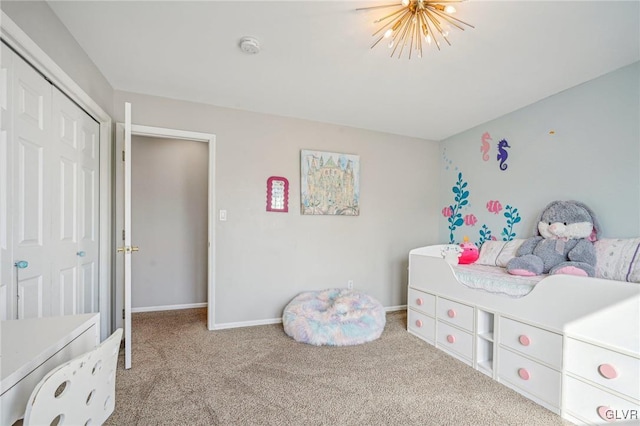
<point x="67" y="225"/>
<point x="7" y="279"/>
<point x="31" y="296"/>
<point x="30" y="218"/>
<point x="89" y="194"/>
<point x="32" y="99"/>
<point x="66" y="123"/>
<point x="89" y="141"/>
<point x="65" y="299"/>
<point x="88" y="200"/>
<point x="89" y="287"/>
<point x="31" y="212"/>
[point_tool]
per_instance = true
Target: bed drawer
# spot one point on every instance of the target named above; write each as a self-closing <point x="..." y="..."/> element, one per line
<point x="422" y="302"/>
<point x="607" y="368"/>
<point x="455" y="313"/>
<point x="536" y="379"/>
<point x="455" y="340"/>
<point x="421" y="325"/>
<point x="532" y="341"/>
<point x="596" y="406"/>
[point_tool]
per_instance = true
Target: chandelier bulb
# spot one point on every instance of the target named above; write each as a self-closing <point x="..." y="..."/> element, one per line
<point x="405" y="3"/>
<point x="388" y="33"/>
<point x="428" y="38"/>
<point x="390" y="44"/>
<point x="450" y="9"/>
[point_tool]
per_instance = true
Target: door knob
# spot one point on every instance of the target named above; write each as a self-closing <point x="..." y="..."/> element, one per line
<point x="81" y="253"/>
<point x="21" y="264"/>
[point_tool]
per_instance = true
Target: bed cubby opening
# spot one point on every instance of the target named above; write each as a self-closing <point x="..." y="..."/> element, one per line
<point x="485" y="344"/>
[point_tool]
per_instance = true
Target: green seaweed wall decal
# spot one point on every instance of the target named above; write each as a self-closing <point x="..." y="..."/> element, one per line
<point x="513" y="217"/>
<point x="461" y="196"/>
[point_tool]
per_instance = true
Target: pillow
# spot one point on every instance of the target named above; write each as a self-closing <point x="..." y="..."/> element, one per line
<point x="489" y="252"/>
<point x="509" y="251"/>
<point x="498" y="253"/>
<point x="618" y="259"/>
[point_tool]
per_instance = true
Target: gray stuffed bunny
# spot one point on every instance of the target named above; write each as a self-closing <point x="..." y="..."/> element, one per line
<point x="564" y="245"/>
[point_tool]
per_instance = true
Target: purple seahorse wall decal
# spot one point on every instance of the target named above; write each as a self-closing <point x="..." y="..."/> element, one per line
<point x="503" y="154"/>
<point x="484" y="149"/>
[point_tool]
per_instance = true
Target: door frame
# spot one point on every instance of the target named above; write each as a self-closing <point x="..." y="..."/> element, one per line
<point x="185" y="135"/>
<point x="20" y="42"/>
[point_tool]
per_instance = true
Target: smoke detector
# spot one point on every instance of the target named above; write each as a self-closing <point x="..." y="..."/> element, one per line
<point x="249" y="45"/>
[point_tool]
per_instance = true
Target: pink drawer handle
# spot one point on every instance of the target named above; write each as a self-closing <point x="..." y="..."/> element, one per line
<point x="606" y="413"/>
<point x="419" y="301"/>
<point x="524" y="340"/>
<point x="607" y="371"/>
<point x="418" y="323"/>
<point x="524" y="374"/>
<point x="451" y="338"/>
<point x="451" y="313"/>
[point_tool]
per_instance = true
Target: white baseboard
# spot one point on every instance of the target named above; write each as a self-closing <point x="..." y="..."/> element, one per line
<point x="169" y="307"/>
<point x="246" y="323"/>
<point x="279" y="320"/>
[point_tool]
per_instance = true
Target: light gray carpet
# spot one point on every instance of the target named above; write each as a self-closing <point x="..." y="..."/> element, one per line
<point x="184" y="374"/>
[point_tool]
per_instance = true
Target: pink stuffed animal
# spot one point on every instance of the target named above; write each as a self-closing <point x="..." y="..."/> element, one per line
<point x="469" y="253"/>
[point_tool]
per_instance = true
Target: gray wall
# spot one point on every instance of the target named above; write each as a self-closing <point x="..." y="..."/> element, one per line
<point x="593" y="157"/>
<point x="39" y="22"/>
<point x="169" y="218"/>
<point x="264" y="259"/>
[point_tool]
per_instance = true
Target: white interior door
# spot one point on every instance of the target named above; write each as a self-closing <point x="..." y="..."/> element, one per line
<point x="123" y="226"/>
<point x="127" y="249"/>
<point x="123" y="234"/>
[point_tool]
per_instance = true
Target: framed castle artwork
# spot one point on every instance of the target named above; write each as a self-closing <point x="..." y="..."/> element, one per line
<point x="329" y="183"/>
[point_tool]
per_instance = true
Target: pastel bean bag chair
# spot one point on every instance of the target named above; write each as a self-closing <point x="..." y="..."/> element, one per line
<point x="334" y="317"/>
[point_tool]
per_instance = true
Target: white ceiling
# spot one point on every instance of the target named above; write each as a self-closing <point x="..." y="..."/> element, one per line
<point x="316" y="63"/>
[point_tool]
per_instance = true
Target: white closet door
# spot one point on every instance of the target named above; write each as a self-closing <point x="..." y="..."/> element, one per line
<point x="75" y="209"/>
<point x="7" y="278"/>
<point x="65" y="291"/>
<point x="32" y="188"/>
<point x="88" y="214"/>
<point x="49" y="198"/>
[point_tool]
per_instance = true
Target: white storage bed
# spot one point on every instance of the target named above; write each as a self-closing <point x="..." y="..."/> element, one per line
<point x="572" y="344"/>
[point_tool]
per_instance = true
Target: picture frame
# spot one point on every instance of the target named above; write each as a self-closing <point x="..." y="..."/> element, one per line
<point x="329" y="183"/>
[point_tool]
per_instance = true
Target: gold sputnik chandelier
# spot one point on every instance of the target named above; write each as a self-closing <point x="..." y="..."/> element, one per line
<point x="415" y="23"/>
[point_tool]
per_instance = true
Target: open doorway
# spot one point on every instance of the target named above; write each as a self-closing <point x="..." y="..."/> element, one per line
<point x="122" y="264"/>
<point x="169" y="194"/>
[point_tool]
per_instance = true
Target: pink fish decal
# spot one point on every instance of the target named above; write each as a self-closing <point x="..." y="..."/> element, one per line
<point x="484" y="149"/>
<point x="494" y="206"/>
<point x="446" y="212"/>
<point x="470" y="220"/>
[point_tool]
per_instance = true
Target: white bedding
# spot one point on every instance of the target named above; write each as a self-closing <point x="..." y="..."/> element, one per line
<point x="495" y="280"/>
